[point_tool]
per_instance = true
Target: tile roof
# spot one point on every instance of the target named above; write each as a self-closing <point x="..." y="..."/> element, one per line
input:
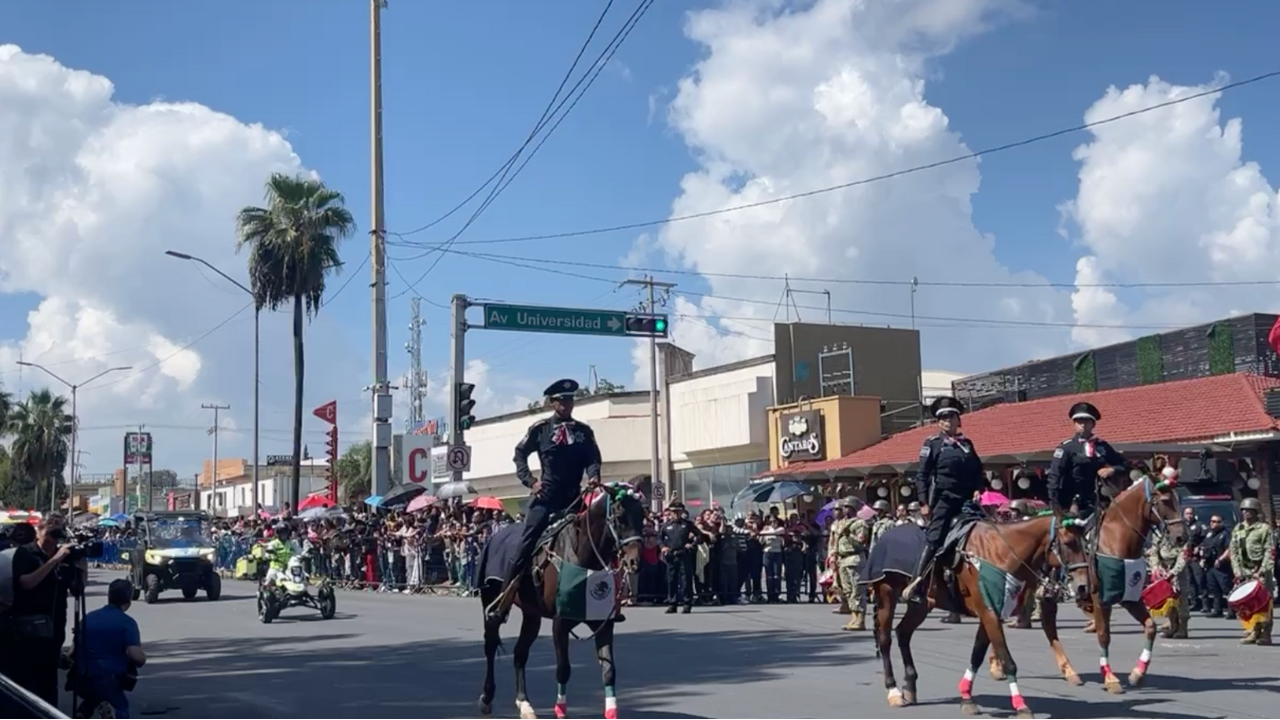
<point x="1179" y="411"/>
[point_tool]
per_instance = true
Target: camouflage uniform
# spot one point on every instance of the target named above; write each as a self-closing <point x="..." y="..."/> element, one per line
<point x="1253" y="557"/>
<point x="851" y="550"/>
<point x="1166" y="558"/>
<point x="833" y="538"/>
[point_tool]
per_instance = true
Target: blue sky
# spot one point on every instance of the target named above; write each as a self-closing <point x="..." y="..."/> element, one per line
<point x="463" y="83"/>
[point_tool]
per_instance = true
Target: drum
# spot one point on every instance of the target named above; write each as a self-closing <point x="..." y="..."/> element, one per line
<point x="1159" y="595"/>
<point x="1249" y="599"/>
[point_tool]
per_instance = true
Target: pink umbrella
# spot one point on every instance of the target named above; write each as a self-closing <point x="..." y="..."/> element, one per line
<point x="992" y="497"/>
<point x="421" y="502"/>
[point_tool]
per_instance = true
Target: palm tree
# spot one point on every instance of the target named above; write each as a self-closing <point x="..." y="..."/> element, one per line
<point x="41" y="428"/>
<point x="355" y="468"/>
<point x="293" y="246"/>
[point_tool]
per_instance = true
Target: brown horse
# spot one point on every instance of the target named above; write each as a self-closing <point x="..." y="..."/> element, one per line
<point x="607" y="531"/>
<point x="1020" y="550"/>
<point x="1146" y="505"/>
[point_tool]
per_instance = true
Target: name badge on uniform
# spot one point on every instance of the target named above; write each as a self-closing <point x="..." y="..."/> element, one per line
<point x="1058" y="453"/>
<point x="925" y="450"/>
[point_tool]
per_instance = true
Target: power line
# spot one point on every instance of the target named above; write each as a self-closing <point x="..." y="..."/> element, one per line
<point x="850" y="281"/>
<point x="175" y="354"/>
<point x="346" y="282"/>
<point x="949" y="321"/>
<point x="536" y="129"/>
<point x="877" y="178"/>
<point x="606" y="54"/>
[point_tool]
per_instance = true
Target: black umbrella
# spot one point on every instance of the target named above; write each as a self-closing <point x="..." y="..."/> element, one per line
<point x="401" y="495"/>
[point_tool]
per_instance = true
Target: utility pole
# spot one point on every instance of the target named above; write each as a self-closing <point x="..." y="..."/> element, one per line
<point x="417" y="378"/>
<point x="377" y="255"/>
<point x="213" y="475"/>
<point x="655" y="462"/>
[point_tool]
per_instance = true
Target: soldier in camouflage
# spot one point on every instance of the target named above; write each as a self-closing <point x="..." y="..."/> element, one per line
<point x="883" y="520"/>
<point x="842" y="519"/>
<point x="1169" y="560"/>
<point x="851" y="551"/>
<point x="1253" y="558"/>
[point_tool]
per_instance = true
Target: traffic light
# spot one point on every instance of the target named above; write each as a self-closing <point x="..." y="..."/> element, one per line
<point x="465" y="405"/>
<point x="647" y="325"/>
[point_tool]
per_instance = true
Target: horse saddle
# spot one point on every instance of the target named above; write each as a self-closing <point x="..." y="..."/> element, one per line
<point x="952" y="550"/>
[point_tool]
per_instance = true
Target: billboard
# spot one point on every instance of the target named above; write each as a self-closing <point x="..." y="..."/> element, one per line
<point x="421" y="461"/>
<point x="137" y="448"/>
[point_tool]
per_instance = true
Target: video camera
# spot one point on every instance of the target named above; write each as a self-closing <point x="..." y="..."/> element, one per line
<point x="82" y="547"/>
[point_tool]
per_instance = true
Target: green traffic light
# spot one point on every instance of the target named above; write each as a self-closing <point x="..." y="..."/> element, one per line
<point x="660" y="325"/>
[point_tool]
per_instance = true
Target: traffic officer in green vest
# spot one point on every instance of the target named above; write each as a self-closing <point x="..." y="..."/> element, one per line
<point x="851" y="552"/>
<point x="1253" y="557"/>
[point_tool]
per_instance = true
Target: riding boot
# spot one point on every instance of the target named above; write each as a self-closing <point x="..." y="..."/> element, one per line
<point x="918" y="590"/>
<point x="501" y="607"/>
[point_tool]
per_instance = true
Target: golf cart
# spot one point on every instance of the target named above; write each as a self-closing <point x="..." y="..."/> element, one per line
<point x="174" y="553"/>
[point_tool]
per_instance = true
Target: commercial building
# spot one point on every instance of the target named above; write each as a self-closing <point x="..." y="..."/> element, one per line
<point x="233" y="493"/>
<point x="717" y="430"/>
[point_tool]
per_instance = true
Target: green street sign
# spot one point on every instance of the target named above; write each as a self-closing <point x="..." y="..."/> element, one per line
<point x="569" y="321"/>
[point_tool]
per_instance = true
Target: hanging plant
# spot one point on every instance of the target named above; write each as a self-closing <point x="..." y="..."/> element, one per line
<point x="1222" y="351"/>
<point x="1150" y="360"/>
<point x="1086" y="373"/>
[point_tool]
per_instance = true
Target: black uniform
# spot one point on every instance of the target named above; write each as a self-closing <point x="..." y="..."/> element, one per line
<point x="950" y="473"/>
<point x="1196" y="533"/>
<point x="678" y="537"/>
<point x="1073" y="474"/>
<point x="567" y="449"/>
<point x="1218" y="576"/>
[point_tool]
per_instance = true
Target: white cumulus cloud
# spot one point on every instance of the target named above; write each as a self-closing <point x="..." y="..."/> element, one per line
<point x="1166" y="197"/>
<point x="791" y="97"/>
<point x="92" y="192"/>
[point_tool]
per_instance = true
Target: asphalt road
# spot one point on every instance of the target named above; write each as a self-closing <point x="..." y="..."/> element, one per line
<point x="398" y="656"/>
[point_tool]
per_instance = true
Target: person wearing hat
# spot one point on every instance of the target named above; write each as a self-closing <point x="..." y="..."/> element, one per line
<point x="677" y="539"/>
<point x="567" y="450"/>
<point x="850" y="536"/>
<point x="1079" y="462"/>
<point x="950" y="472"/>
<point x="882" y="522"/>
<point x="1253" y="558"/>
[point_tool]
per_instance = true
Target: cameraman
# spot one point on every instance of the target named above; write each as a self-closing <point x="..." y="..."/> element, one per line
<point x="112" y="651"/>
<point x="38" y="626"/>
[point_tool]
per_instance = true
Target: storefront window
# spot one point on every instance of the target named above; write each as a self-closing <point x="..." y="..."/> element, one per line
<point x="700" y="487"/>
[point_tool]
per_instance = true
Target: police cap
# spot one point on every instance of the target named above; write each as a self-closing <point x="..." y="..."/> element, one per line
<point x="946" y="406"/>
<point x="1085" y="411"/>
<point x="562" y="389"/>
<point x="675" y="505"/>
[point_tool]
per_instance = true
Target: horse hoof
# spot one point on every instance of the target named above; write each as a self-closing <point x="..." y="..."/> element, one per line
<point x="895" y="698"/>
<point x="908" y="697"/>
<point x="1136" y="678"/>
<point x="969" y="707"/>
<point x="1073" y="679"/>
<point x="997" y="674"/>
<point x="526" y="711"/>
<point x="1025" y="714"/>
<point x="486" y="709"/>
<point x="611" y="713"/>
<point x="1113" y="686"/>
<point x="562" y="711"/>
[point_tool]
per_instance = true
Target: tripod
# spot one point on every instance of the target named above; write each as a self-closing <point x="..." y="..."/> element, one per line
<point x="75" y="587"/>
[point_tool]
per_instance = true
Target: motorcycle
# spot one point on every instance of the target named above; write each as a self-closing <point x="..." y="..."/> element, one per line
<point x="289" y="589"/>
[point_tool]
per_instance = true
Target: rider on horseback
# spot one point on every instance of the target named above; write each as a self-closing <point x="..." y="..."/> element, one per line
<point x="950" y="473"/>
<point x="566" y="450"/>
<point x="1079" y="462"/>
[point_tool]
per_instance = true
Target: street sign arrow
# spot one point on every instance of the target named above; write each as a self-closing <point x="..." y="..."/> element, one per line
<point x="614" y="325"/>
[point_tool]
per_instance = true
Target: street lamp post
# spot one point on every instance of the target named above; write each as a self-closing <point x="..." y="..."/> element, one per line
<point x="75" y="426"/>
<point x="257" y="313"/>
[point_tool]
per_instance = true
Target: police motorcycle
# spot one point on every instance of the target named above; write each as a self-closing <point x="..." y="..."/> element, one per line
<point x="290" y="588"/>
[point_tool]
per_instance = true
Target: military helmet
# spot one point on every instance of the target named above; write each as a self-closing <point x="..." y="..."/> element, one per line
<point x="914" y="506"/>
<point x="846" y="503"/>
<point x="880" y="505"/>
<point x="1019" y="506"/>
<point x="1251" y="504"/>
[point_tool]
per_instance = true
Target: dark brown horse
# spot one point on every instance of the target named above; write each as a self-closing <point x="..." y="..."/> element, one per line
<point x="1021" y="550"/>
<point x="1123" y="527"/>
<point x="607" y="531"/>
